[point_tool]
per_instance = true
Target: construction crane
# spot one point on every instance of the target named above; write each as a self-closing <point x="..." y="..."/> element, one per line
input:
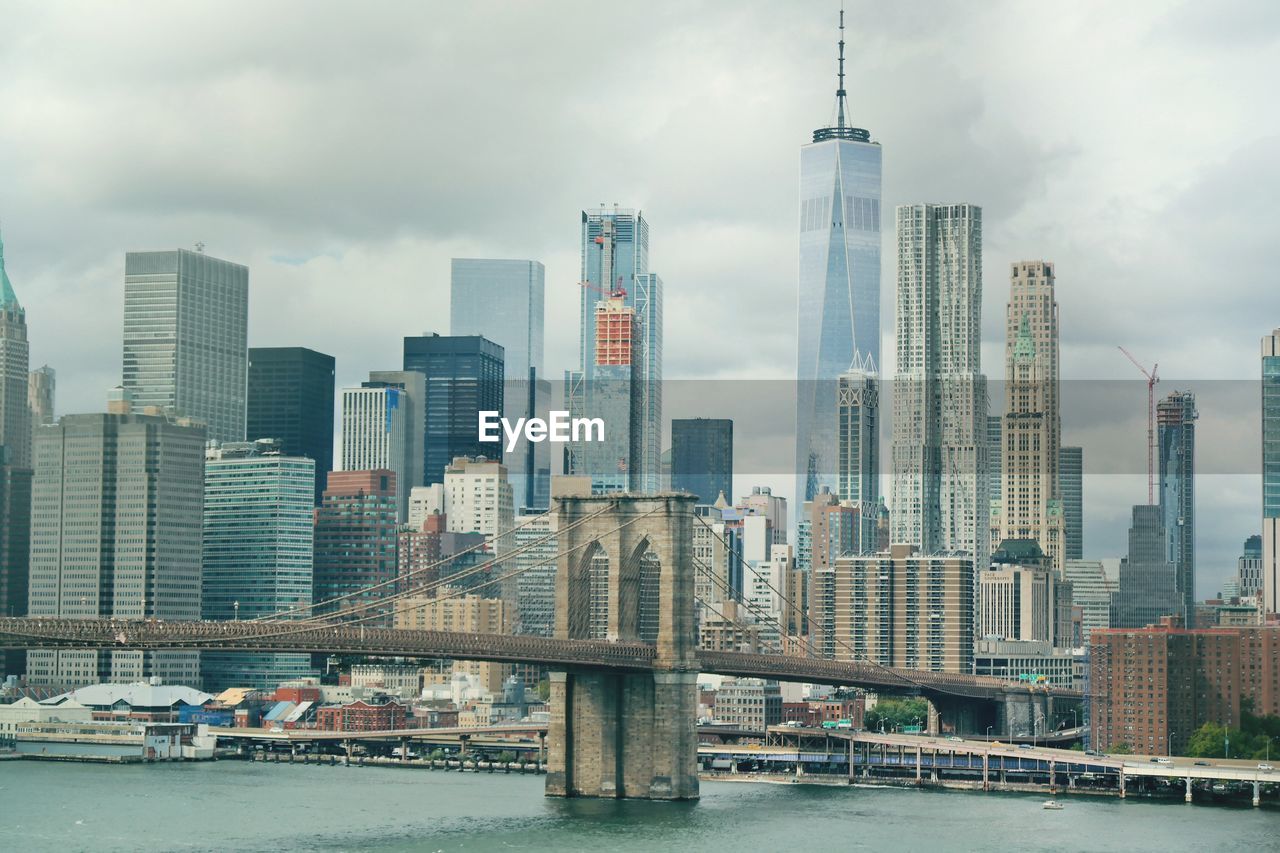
<point x="618" y="291"/>
<point x="1153" y="376"/>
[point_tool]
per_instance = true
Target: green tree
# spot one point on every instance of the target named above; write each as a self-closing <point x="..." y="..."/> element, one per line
<point x="506" y="757"/>
<point x="1121" y="749"/>
<point x="895" y="713"/>
<point x="544" y="690"/>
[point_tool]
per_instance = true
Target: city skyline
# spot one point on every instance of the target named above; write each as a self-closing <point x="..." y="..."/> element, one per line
<point x="291" y="268"/>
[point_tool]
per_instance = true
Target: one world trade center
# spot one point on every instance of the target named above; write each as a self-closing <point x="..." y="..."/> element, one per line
<point x="839" y="286"/>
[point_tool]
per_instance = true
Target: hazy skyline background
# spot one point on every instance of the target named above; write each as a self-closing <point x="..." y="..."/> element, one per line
<point x="346" y="154"/>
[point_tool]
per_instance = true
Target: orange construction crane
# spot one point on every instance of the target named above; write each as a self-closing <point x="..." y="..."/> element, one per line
<point x="618" y="292"/>
<point x="1152" y="378"/>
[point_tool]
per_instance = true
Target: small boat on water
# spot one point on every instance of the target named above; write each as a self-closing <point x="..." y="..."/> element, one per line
<point x="1053" y="804"/>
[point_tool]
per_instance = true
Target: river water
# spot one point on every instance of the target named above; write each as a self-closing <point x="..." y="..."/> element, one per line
<point x="234" y="805"/>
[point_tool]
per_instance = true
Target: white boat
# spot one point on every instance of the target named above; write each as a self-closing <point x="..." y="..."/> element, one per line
<point x="1053" y="804"/>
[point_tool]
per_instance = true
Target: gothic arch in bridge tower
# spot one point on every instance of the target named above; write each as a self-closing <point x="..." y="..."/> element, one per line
<point x="626" y="735"/>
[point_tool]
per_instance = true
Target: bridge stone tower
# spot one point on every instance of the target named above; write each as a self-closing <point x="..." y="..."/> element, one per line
<point x="626" y="575"/>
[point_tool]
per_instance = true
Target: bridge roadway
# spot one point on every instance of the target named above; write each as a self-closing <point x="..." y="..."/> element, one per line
<point x="29" y="633"/>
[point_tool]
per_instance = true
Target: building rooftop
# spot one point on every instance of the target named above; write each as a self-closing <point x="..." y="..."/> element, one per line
<point x="139" y="695"/>
<point x="8" y="299"/>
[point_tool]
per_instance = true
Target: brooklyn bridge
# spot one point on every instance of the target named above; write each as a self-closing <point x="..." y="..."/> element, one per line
<point x="625" y="659"/>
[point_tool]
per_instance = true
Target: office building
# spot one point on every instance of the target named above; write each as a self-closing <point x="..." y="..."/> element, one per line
<point x="1148" y="587"/>
<point x="1071" y="485"/>
<point x="535" y="542"/>
<point x="142" y="478"/>
<point x="1031" y="501"/>
<point x="750" y="704"/>
<point x="858" y="438"/>
<point x="1249" y="569"/>
<point x="1021" y="597"/>
<point x="504" y="301"/>
<point x="995" y="462"/>
<point x="186" y="320"/>
<point x="471" y="614"/>
<point x="940" y="502"/>
<point x="702" y="457"/>
<point x="614" y="395"/>
<point x="897" y="608"/>
<point x="478" y="498"/>
<point x="1176" y="441"/>
<point x="413" y="404"/>
<point x="258" y="551"/>
<point x="291" y="400"/>
<point x="1091" y="591"/>
<point x="1028" y="661"/>
<point x="838" y="308"/>
<point x="1271" y="473"/>
<point x="355" y="546"/>
<point x="15" y="552"/>
<point x="15" y="354"/>
<point x="464" y="376"/>
<point x="375" y="434"/>
<point x="1190" y="677"/>
<point x="41" y="397"/>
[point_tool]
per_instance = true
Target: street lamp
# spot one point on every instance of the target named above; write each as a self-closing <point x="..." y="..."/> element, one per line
<point x="1168" y="744"/>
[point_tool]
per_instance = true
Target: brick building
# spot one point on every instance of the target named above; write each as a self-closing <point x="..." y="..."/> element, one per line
<point x="1153" y="687"/>
<point x="378" y="714"/>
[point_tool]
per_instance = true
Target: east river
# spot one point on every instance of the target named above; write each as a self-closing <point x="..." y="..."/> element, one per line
<point x="233" y="805"/>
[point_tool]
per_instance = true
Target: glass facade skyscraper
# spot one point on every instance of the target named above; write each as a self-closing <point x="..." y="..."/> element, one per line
<point x="839" y="283"/>
<point x="15" y="414"/>
<point x="1148" y="586"/>
<point x="1271" y="473"/>
<point x="258" y="540"/>
<point x="702" y="457"/>
<point x="1071" y="482"/>
<point x="504" y="301"/>
<point x="1176" y="441"/>
<point x="291" y="399"/>
<point x="186" y="320"/>
<point x="464" y="377"/>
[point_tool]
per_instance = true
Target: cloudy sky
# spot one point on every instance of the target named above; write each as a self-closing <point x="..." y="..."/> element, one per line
<point x="345" y="152"/>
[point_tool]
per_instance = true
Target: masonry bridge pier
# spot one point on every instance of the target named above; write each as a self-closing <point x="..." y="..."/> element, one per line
<point x="624" y="658"/>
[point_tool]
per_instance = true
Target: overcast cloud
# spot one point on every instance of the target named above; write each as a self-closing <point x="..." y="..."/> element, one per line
<point x="346" y="151"/>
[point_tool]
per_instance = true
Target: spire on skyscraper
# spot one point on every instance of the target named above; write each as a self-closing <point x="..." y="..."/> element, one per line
<point x="7" y="297"/>
<point x="841" y="131"/>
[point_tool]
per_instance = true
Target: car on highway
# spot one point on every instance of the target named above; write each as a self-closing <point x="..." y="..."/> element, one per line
<point x="1025" y="746"/>
<point x="956" y="739"/>
<point x="1161" y="761"/>
<point x="1202" y="764"/>
<point x="1265" y="766"/>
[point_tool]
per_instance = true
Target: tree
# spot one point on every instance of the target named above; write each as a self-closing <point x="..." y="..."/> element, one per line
<point x="544" y="690"/>
<point x="895" y="713"/>
<point x="1121" y="748"/>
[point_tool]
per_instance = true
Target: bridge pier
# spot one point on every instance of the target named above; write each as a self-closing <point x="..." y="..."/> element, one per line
<point x="1257" y="793"/>
<point x="1187" y="796"/>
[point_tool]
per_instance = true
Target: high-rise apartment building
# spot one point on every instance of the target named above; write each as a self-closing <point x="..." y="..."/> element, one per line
<point x="1148" y="582"/>
<point x="536" y="546"/>
<point x="1031" y="500"/>
<point x="15" y="552"/>
<point x="472" y="614"/>
<point x="1176" y="439"/>
<point x="1152" y="688"/>
<point x="995" y="460"/>
<point x="291" y="399"/>
<point x="15" y="355"/>
<point x="504" y="301"/>
<point x="1271" y="473"/>
<point x="1249" y="569"/>
<point x="621" y="360"/>
<point x="258" y="551"/>
<point x="375" y="434"/>
<point x="464" y="377"/>
<point x="1071" y="485"/>
<point x="116" y="518"/>
<point x="858" y="433"/>
<point x="898" y="608"/>
<point x="478" y="497"/>
<point x="838" y="309"/>
<point x="940" y="502"/>
<point x="186" y="321"/>
<point x="702" y="457"/>
<point x="355" y="546"/>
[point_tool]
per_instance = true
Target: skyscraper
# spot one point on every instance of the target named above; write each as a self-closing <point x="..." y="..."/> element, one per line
<point x="615" y="395"/>
<point x="839" y="283"/>
<point x="702" y="457"/>
<point x="464" y="377"/>
<point x="1031" y="502"/>
<point x="504" y="301"/>
<point x="258" y="551"/>
<point x="15" y="552"/>
<point x="186" y="320"/>
<point x="374" y="434"/>
<point x="116" y="533"/>
<point x="1176" y="441"/>
<point x="291" y="399"/>
<point x="413" y="404"/>
<point x="940" y="477"/>
<point x="858" y="436"/>
<point x="355" y="546"/>
<point x="1148" y="584"/>
<point x="15" y="414"/>
<point x="41" y="393"/>
<point x="1071" y="484"/>
<point x="1249" y="569"/>
<point x="1271" y="473"/>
